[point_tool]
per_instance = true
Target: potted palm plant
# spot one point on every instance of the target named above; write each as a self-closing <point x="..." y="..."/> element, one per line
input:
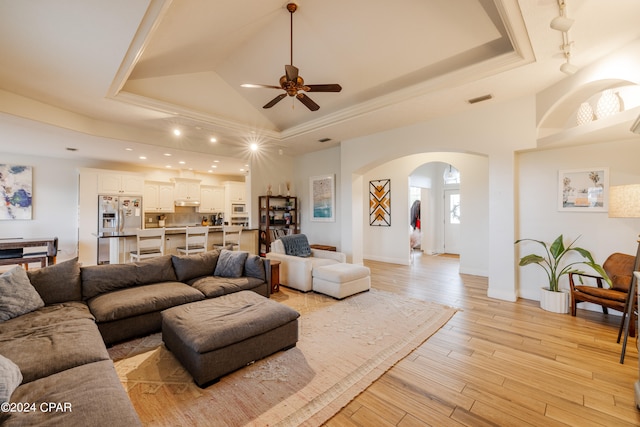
<point x="552" y="298"/>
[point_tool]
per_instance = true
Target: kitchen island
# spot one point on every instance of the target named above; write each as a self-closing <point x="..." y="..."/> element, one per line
<point x="114" y="248"/>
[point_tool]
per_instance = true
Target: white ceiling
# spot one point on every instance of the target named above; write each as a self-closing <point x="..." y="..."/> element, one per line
<point x="131" y="70"/>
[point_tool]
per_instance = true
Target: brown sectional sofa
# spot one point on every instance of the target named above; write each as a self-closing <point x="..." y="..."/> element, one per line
<point x="60" y="349"/>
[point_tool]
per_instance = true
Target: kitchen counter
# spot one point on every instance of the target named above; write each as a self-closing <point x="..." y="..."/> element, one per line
<point x="118" y="245"/>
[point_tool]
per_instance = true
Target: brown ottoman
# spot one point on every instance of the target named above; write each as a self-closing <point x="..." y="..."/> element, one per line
<point x="217" y="336"/>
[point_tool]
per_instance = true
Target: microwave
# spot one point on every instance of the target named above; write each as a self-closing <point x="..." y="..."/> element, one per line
<point x="238" y="208"/>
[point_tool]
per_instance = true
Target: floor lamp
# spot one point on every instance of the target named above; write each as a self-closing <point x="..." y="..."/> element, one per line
<point x="624" y="202"/>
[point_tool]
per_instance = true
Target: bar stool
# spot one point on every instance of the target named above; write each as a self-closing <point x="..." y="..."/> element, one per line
<point x="231" y="235"/>
<point x="150" y="243"/>
<point x="195" y="240"/>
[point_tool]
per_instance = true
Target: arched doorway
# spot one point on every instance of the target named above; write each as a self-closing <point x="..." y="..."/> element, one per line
<point x="435" y="187"/>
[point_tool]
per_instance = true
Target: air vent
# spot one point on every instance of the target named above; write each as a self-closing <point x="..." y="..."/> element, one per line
<point x="324" y="140"/>
<point x="480" y="99"/>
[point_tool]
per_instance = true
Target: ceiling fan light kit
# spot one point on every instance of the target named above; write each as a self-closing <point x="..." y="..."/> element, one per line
<point x="292" y="83"/>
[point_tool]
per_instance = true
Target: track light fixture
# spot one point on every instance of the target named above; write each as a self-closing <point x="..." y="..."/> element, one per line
<point x="563" y="24"/>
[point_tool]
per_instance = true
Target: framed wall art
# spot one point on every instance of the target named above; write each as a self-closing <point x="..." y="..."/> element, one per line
<point x="380" y="203"/>
<point x="322" y="198"/>
<point x="16" y="192"/>
<point x="583" y="190"/>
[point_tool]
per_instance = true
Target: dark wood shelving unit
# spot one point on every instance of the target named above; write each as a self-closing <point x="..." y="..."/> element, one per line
<point x="278" y="217"/>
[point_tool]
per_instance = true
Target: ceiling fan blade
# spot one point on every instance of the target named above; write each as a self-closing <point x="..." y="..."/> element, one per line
<point x="308" y="102"/>
<point x="324" y="88"/>
<point x="291" y="72"/>
<point x="275" y="100"/>
<point x="265" y="86"/>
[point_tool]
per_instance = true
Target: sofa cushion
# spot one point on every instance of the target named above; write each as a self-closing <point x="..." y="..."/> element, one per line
<point x="44" y="350"/>
<point x="101" y="279"/>
<point x="231" y="263"/>
<point x="17" y="294"/>
<point x="254" y="267"/>
<point x="93" y="393"/>
<point x="188" y="267"/>
<point x="59" y="282"/>
<point x="45" y="316"/>
<point x="10" y="378"/>
<point x="145" y="299"/>
<point x="214" y="286"/>
<point x="296" y="245"/>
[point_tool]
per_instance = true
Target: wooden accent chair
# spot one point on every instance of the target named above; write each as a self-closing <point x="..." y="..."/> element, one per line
<point x="619" y="268"/>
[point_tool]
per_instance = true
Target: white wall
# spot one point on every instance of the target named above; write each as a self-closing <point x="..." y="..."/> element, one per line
<point x="391" y="244"/>
<point x="540" y="219"/>
<point x="324" y="162"/>
<point x="495" y="130"/>
<point x="55" y="203"/>
<point x="269" y="167"/>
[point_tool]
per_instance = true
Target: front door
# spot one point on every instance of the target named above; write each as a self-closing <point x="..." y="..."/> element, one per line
<point x="452" y="221"/>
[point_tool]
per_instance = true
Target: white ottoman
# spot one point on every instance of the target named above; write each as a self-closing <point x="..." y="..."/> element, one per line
<point x="341" y="280"/>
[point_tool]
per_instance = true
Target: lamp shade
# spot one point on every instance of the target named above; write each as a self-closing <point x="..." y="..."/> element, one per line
<point x="624" y="201"/>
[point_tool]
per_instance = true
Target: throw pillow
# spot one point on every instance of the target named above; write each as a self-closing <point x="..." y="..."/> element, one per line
<point x="230" y="263"/>
<point x="17" y="295"/>
<point x="296" y="245"/>
<point x="58" y="283"/>
<point x="10" y="378"/>
<point x="189" y="267"/>
<point x="254" y="267"/>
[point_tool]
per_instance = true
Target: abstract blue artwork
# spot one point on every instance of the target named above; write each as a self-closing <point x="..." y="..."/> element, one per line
<point x="15" y="191"/>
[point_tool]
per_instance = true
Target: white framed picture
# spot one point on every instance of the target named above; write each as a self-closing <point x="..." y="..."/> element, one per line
<point x="583" y="190"/>
<point x="322" y="196"/>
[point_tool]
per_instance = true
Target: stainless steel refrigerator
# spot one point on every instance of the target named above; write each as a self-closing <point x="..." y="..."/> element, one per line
<point x="118" y="216"/>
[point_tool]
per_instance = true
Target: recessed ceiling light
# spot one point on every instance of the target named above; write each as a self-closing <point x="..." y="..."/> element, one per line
<point x="128" y="149"/>
<point x="182" y="162"/>
<point x="241" y="169"/>
<point x="214" y="166"/>
<point x="143" y="157"/>
<point x="253" y="146"/>
<point x="168" y="154"/>
<point x="216" y="161"/>
<point x="177" y="132"/>
<point x="168" y="166"/>
<point x="210" y="171"/>
<point x="212" y="139"/>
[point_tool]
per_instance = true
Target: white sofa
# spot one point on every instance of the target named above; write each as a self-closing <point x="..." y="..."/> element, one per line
<point x="296" y="271"/>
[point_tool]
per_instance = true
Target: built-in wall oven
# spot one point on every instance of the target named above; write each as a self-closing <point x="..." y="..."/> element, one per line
<point x="239" y="214"/>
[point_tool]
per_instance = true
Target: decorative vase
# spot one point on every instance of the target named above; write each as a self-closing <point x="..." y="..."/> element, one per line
<point x="555" y="302"/>
<point x="585" y="114"/>
<point x="608" y="104"/>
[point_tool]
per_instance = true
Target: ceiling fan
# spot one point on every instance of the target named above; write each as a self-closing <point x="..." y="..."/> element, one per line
<point x="292" y="83"/>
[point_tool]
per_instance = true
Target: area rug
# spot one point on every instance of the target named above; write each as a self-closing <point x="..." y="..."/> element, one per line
<point x="343" y="347"/>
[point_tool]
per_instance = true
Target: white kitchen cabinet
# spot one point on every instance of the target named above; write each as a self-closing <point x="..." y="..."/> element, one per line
<point x="211" y="199"/>
<point x="158" y="197"/>
<point x="187" y="189"/>
<point x="119" y="183"/>
<point x="236" y="191"/>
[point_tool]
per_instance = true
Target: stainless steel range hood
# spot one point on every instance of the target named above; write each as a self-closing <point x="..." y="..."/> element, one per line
<point x="187" y="202"/>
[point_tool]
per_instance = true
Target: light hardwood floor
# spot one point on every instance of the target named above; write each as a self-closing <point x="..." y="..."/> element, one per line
<point x="497" y="363"/>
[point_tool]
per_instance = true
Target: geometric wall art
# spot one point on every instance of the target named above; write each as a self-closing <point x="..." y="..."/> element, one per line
<point x="380" y="203"/>
<point x="15" y="192"/>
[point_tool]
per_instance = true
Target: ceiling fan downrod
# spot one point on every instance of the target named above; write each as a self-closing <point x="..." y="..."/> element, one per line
<point x="291" y="7"/>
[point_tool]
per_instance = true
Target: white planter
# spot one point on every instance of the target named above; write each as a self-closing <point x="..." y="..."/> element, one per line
<point x="556" y="302"/>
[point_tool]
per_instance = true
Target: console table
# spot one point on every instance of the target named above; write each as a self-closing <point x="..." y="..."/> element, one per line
<point x="45" y="258"/>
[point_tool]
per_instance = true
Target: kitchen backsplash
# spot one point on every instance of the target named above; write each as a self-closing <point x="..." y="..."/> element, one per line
<point x="183" y="216"/>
